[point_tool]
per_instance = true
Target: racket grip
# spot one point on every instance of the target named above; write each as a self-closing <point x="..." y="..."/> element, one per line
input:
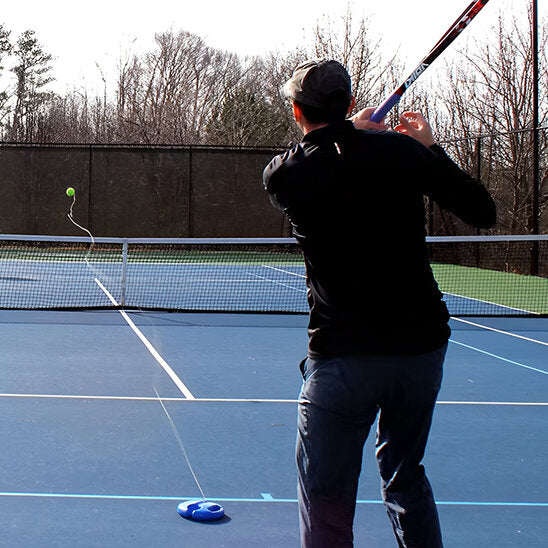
<point x="383" y="109"/>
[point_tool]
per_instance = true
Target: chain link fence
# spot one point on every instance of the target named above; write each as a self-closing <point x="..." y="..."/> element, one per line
<point x="187" y="191"/>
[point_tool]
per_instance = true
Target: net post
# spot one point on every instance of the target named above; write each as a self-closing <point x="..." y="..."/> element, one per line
<point x="124" y="271"/>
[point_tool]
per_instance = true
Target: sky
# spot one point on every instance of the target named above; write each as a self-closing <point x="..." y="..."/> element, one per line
<point x="84" y="37"/>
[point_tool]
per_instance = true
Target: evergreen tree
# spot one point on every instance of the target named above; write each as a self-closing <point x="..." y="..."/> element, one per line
<point x="32" y="71"/>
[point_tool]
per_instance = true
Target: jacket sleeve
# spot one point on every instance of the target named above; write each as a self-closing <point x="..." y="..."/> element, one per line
<point x="268" y="181"/>
<point x="459" y="193"/>
<point x="284" y="190"/>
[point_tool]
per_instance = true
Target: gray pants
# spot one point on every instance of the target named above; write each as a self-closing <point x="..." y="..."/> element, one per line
<point x="340" y="400"/>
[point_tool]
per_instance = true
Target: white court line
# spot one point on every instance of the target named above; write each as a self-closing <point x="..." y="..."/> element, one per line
<point x="265" y="498"/>
<point x="499" y="357"/>
<point x="147" y="398"/>
<point x="495" y="403"/>
<point x="276" y="282"/>
<point x="500" y="331"/>
<point x="166" y="367"/>
<point x="483" y="301"/>
<point x="283" y="271"/>
<point x="243" y="400"/>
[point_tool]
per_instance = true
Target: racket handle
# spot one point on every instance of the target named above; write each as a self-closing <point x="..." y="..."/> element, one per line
<point x="383" y="109"/>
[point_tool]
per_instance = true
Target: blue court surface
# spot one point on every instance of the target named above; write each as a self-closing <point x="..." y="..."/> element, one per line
<point x="89" y="457"/>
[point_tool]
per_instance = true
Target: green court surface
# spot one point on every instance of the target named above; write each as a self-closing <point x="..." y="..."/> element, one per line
<point x="522" y="292"/>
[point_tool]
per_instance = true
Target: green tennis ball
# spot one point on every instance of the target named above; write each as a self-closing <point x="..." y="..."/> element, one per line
<point x="70" y="192"/>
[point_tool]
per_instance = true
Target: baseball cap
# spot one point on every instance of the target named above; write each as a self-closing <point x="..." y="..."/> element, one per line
<point x="320" y="84"/>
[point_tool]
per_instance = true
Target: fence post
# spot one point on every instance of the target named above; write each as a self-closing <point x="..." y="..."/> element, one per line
<point x="478" y="165"/>
<point x="190" y="189"/>
<point x="535" y="206"/>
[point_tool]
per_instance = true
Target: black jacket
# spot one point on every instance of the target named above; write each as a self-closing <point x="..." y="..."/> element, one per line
<point x="355" y="200"/>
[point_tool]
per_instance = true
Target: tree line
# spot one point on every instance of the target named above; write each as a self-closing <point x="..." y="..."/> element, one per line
<point x="181" y="92"/>
<point x="185" y="92"/>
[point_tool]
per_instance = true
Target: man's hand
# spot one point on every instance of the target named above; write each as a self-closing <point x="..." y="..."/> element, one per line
<point x="362" y="120"/>
<point x="415" y="125"/>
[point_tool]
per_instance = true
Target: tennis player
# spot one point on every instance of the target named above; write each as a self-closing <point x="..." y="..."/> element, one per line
<point x="378" y="328"/>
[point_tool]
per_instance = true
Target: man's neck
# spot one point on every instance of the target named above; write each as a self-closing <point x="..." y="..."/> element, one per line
<point x="307" y="127"/>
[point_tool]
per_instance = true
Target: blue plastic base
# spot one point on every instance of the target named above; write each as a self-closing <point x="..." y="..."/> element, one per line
<point x="200" y="510"/>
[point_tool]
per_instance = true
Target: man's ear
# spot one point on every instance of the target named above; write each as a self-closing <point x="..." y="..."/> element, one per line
<point x="351" y="107"/>
<point x="297" y="112"/>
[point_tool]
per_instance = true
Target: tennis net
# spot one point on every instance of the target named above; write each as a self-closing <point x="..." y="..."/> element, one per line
<point x="479" y="276"/>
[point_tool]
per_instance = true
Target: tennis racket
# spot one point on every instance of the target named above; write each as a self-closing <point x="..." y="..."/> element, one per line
<point x="456" y="28"/>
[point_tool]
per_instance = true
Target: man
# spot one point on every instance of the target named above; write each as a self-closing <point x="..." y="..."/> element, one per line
<point x="378" y="328"/>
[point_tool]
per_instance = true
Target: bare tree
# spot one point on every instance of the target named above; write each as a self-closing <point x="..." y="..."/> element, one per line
<point x="170" y="93"/>
<point x="358" y="48"/>
<point x="246" y="118"/>
<point x="490" y="93"/>
<point x="5" y="44"/>
<point x="275" y="69"/>
<point x="354" y="46"/>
